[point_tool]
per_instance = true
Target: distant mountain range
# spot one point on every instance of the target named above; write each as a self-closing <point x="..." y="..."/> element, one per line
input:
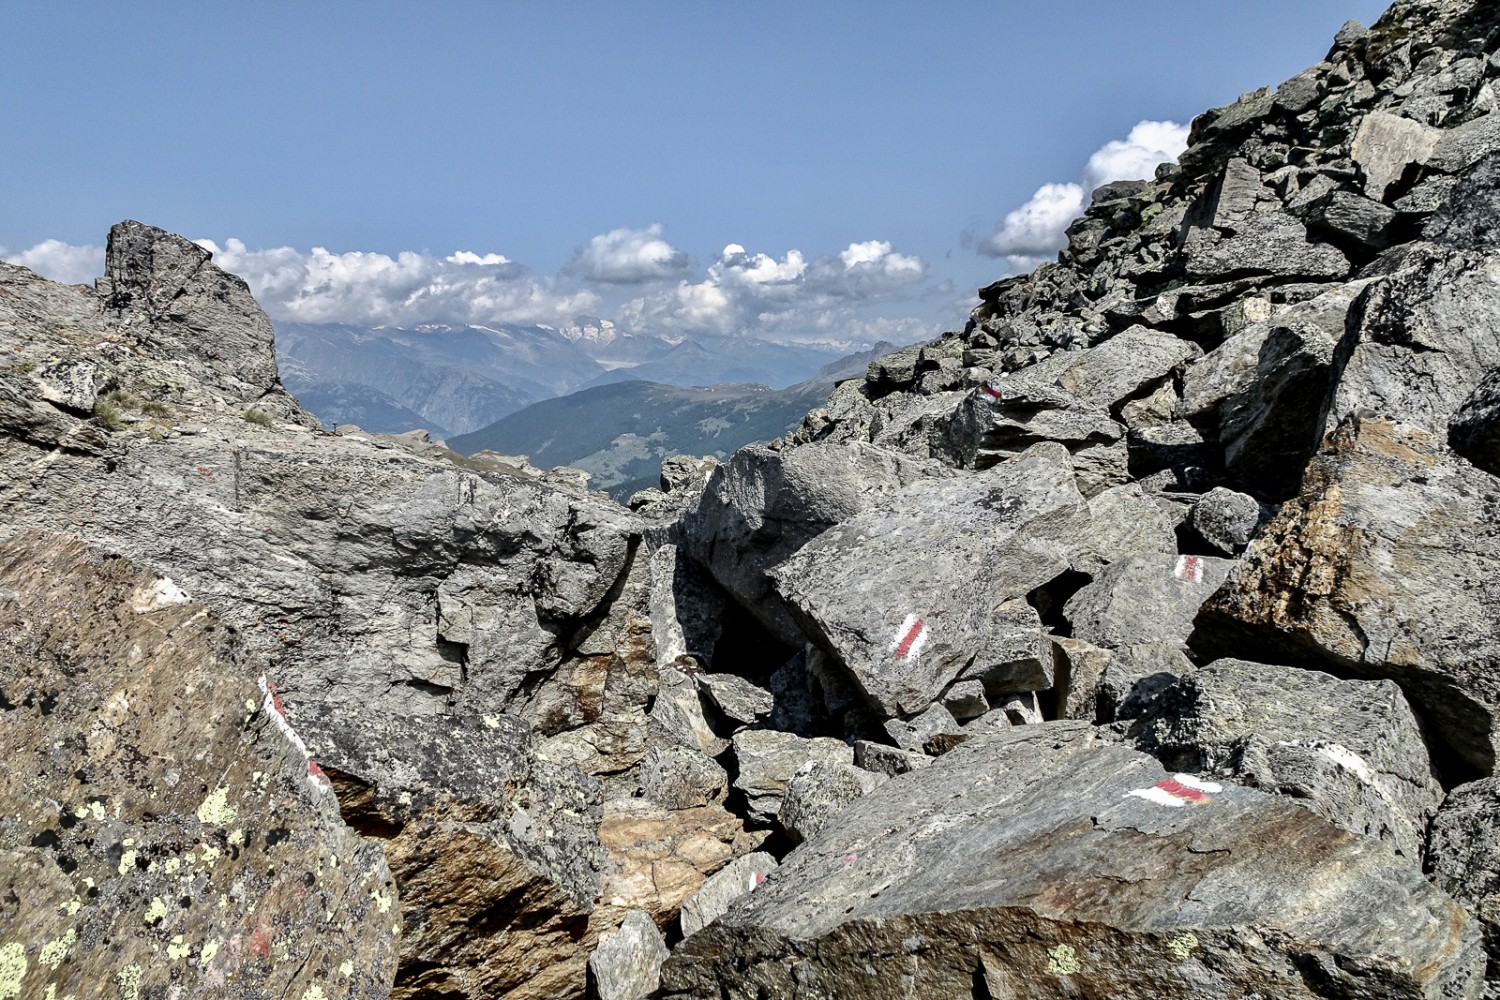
<point x="451" y="380"/>
<point x="619" y="432"/>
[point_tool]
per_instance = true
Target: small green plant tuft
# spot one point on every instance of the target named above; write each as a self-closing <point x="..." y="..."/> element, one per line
<point x="108" y="414"/>
<point x="258" y="417"/>
<point x="155" y="408"/>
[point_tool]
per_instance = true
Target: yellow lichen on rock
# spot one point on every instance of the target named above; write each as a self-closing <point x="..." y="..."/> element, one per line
<point x="53" y="952"/>
<point x="12" y="969"/>
<point x="216" y="808"/>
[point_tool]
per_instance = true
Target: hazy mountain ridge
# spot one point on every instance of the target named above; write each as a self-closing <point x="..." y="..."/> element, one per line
<point x="620" y="431"/>
<point x="455" y="380"/>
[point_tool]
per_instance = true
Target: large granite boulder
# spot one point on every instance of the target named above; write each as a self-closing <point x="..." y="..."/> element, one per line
<point x="164" y="828"/>
<point x="1421" y="338"/>
<point x="926" y="586"/>
<point x="764" y="505"/>
<point x="1464" y="856"/>
<point x="1260" y="396"/>
<point x="1350" y="750"/>
<point x="1067" y="868"/>
<point x="1382" y="567"/>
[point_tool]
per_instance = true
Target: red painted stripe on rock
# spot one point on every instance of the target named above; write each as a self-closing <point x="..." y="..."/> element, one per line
<point x="910" y="637"/>
<point x="1176" y="788"/>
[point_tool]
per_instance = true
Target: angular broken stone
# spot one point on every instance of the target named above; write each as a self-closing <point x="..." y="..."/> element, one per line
<point x="768" y="760"/>
<point x="1088" y="872"/>
<point x="1147" y="598"/>
<point x="912" y="734"/>
<point x="818" y="792"/>
<point x="1351" y="751"/>
<point x="1225" y="519"/>
<point x="763" y="505"/>
<point x="1421" y="339"/>
<point x="1387" y="146"/>
<point x="1380" y="569"/>
<point x="627" y="963"/>
<point x="738" y="878"/>
<point x="468" y="814"/>
<point x="1464" y="855"/>
<point x="159" y="799"/>
<point x="737" y="698"/>
<point x="909" y="594"/>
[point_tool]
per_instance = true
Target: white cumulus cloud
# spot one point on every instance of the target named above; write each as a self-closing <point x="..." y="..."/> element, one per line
<point x="1033" y="233"/>
<point x="630" y="257"/>
<point x="409" y="288"/>
<point x="60" y="261"/>
<point x="851" y="298"/>
<point x="791" y="298"/>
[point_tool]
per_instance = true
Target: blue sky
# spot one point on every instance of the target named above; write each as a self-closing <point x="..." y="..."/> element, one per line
<point x="868" y="150"/>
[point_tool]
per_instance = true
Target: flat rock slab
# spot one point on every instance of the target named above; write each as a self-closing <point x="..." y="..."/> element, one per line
<point x="1145" y="598"/>
<point x="1385" y="566"/>
<point x="1350" y="750"/>
<point x="1071" y="868"/>
<point x="165" y="831"/>
<point x="908" y="594"/>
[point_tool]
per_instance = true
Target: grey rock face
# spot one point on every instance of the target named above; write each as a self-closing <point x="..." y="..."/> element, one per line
<point x="1346" y="573"/>
<point x="1351" y="751"/>
<point x="763" y="505"/>
<point x="1271" y="243"/>
<point x="912" y="734"/>
<point x="818" y="792"/>
<point x="912" y="594"/>
<point x="370" y="571"/>
<point x="1421" y="339"/>
<point x="1137" y="674"/>
<point x="768" y="760"/>
<point x="1093" y="874"/>
<point x="738" y="878"/>
<point x="1465" y="217"/>
<point x="159" y="799"/>
<point x="891" y="761"/>
<point x="1259" y="395"/>
<point x="1387" y="146"/>
<point x="1464" y="855"/>
<point x="1150" y="598"/>
<point x="627" y="963"/>
<point x="678" y="709"/>
<point x="1125" y="522"/>
<point x="737" y="698"/>
<point x="679" y="777"/>
<point x="1474" y="431"/>
<point x="468" y="814"/>
<point x="1078" y="670"/>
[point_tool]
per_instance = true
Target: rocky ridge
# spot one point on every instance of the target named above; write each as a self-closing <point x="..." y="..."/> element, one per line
<point x="1134" y="642"/>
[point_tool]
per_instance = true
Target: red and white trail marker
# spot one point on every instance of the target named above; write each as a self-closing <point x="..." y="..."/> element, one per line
<point x="272" y="706"/>
<point x="909" y="639"/>
<point x="1178" y="791"/>
<point x="1189" y="569"/>
<point x="993" y="393"/>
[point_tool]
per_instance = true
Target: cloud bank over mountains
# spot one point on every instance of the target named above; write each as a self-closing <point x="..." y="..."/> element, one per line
<point x="852" y="298"/>
<point x="635" y="276"/>
<point x="1033" y="233"/>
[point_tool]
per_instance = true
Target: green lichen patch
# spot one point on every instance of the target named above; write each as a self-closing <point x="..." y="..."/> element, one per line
<point x="1183" y="947"/>
<point x="1062" y="960"/>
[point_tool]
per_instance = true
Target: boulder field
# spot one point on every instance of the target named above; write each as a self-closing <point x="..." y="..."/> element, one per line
<point x="1140" y="640"/>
